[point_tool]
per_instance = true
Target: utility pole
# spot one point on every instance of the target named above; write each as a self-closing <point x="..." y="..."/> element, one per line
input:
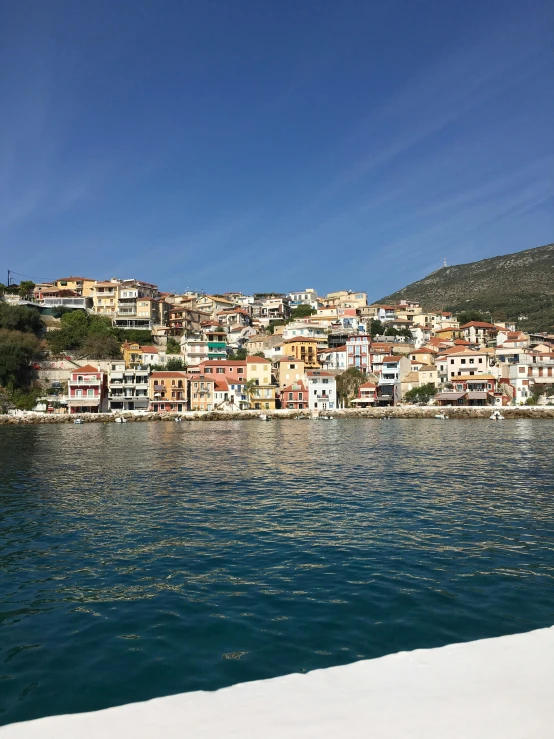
<point x="8" y="278"/>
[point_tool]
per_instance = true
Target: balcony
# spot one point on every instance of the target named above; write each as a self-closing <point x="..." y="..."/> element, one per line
<point x="85" y="381"/>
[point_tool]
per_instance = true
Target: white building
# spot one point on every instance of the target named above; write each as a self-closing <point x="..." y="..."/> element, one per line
<point x="466" y="362"/>
<point x="304" y="297"/>
<point x="127" y="388"/>
<point x="393" y="370"/>
<point x="322" y="390"/>
<point x="333" y="359"/>
<point x="534" y="373"/>
<point x="194" y="350"/>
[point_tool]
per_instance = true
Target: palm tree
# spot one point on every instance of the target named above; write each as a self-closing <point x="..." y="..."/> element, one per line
<point x="251" y="388"/>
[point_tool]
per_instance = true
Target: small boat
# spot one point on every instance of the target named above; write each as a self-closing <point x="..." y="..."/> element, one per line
<point x="264" y="417"/>
<point x="178" y="420"/>
<point x="78" y="420"/>
<point x="496" y="416"/>
<point x="441" y="416"/>
<point x="120" y="419"/>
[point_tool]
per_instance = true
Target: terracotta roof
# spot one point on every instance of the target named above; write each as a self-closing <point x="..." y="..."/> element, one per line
<point x="480" y="324"/>
<point x="319" y="373"/>
<point x="149" y="349"/>
<point x="334" y="349"/>
<point x="86" y="368"/>
<point x="221" y="384"/>
<point x="427" y="368"/>
<point x="301" y="338"/>
<point x="368" y="385"/>
<point x="168" y="373"/>
<point x="289" y="388"/>
<point x="390" y="358"/>
<point x="257" y="360"/>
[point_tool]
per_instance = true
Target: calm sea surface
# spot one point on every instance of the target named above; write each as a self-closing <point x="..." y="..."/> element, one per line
<point x="153" y="558"/>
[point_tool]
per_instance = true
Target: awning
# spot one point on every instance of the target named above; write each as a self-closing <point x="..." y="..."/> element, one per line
<point x="450" y="396"/>
<point x="475" y="395"/>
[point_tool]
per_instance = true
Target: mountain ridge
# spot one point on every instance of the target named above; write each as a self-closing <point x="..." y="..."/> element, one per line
<point x="516" y="287"/>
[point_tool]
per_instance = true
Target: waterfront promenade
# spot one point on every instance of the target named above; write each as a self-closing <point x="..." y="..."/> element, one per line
<point x="401" y="411"/>
<point x="489" y="689"/>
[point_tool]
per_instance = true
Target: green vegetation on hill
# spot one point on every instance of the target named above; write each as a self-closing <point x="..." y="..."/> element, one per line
<point x="516" y="287"/>
<point x="92" y="336"/>
<point x="20" y="348"/>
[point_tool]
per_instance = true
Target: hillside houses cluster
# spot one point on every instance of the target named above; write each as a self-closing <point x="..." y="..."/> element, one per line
<point x="291" y="360"/>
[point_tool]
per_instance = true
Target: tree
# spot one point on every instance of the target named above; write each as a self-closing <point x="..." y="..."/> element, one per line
<point x="252" y="390"/>
<point x="376" y="328"/>
<point x="302" y="311"/>
<point x="348" y="384"/>
<point x="422" y="394"/>
<point x="175" y="364"/>
<point x="466" y="316"/>
<point x="101" y="346"/>
<point x="173" y="346"/>
<point x="26" y="288"/>
<point x="240" y="354"/>
<point x="18" y="352"/>
<point x="20" y="318"/>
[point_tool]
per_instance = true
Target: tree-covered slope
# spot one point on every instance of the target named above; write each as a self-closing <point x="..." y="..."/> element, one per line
<point x="517" y="287"/>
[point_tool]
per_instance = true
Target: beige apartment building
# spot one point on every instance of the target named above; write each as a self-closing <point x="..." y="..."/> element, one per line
<point x="80" y="285"/>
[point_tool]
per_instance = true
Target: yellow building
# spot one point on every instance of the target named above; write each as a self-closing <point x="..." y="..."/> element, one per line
<point x="346" y="299"/>
<point x="303" y="348"/>
<point x="291" y="371"/>
<point x="258" y="370"/>
<point x="202" y="393"/>
<point x="168" y="392"/>
<point x="105" y="298"/>
<point x="80" y="285"/>
<point x="132" y="355"/>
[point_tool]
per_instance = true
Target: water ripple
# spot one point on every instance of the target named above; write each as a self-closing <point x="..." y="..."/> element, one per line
<point x="149" y="559"/>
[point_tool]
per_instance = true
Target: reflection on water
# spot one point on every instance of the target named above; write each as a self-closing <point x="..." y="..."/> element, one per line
<point x="148" y="559"/>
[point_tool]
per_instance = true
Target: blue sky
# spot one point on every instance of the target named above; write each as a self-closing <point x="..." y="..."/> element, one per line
<point x="273" y="145"/>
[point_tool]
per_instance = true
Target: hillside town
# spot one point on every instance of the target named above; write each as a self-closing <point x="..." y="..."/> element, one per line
<point x="297" y="351"/>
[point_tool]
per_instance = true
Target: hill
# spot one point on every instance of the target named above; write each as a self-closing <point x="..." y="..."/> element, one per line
<point x="516" y="287"/>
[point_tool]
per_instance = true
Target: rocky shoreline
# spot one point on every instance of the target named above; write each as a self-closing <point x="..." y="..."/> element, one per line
<point x="460" y="412"/>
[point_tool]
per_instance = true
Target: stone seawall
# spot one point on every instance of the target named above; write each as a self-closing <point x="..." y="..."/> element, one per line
<point x="460" y="412"/>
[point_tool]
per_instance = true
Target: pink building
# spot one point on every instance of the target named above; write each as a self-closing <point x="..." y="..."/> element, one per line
<point x="231" y="369"/>
<point x="357" y="352"/>
<point x="294" y="397"/>
<point x="87" y="390"/>
<point x="367" y="395"/>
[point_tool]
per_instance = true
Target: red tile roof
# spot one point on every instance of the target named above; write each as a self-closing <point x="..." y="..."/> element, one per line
<point x="480" y="324"/>
<point x="86" y="368"/>
<point x="168" y="373"/>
